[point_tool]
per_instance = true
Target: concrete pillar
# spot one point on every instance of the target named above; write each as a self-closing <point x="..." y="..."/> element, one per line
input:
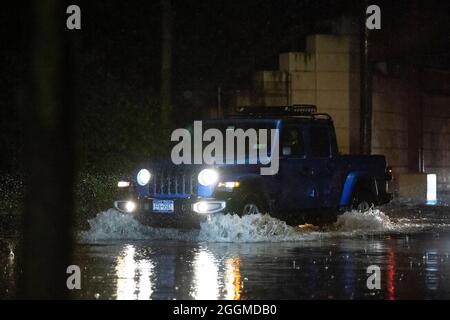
<point x="415" y="122"/>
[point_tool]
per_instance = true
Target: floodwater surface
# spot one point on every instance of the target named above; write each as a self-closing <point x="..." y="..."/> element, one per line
<point x="259" y="257"/>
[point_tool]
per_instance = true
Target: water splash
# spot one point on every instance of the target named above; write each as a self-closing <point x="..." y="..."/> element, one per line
<point x="113" y="225"/>
<point x="371" y="220"/>
<point x="251" y="228"/>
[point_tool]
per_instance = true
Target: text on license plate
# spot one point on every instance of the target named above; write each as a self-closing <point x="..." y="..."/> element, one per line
<point x="163" y="205"/>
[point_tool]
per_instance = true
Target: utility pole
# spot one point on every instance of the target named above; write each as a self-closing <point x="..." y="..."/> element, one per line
<point x="166" y="62"/>
<point x="365" y="86"/>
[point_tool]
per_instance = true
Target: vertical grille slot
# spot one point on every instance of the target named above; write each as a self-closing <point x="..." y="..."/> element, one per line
<point x="173" y="184"/>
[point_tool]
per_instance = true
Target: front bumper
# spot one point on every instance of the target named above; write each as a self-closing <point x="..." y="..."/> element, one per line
<point x="185" y="213"/>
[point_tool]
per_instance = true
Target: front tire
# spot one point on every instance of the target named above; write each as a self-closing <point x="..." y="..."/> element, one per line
<point x="251" y="204"/>
<point x="362" y="203"/>
<point x="365" y="196"/>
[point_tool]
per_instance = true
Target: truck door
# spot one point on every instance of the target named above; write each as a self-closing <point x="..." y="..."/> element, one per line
<point x="297" y="186"/>
<point x="322" y="150"/>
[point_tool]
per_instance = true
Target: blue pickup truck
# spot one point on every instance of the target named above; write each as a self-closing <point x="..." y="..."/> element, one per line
<point x="314" y="182"/>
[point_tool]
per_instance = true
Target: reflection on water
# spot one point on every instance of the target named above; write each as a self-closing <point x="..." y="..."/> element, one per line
<point x="133" y="276"/>
<point x="413" y="267"/>
<point x="431" y="261"/>
<point x="335" y="269"/>
<point x="233" y="285"/>
<point x="208" y="278"/>
<point x="205" y="285"/>
<point x="391" y="274"/>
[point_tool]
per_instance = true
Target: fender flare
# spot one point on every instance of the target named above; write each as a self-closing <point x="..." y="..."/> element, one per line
<point x="349" y="186"/>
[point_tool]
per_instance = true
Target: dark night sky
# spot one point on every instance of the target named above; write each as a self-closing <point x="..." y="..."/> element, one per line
<point x="216" y="42"/>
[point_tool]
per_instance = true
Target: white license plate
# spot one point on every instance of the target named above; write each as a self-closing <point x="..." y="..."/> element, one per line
<point x="163" y="206"/>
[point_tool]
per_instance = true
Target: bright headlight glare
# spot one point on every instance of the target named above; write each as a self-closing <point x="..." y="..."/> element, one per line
<point x="202" y="207"/>
<point x="130" y="206"/>
<point x="123" y="184"/>
<point x="208" y="177"/>
<point x="209" y="206"/>
<point x="143" y="177"/>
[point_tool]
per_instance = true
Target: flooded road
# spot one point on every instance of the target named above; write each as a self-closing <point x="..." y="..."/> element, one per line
<point x="258" y="257"/>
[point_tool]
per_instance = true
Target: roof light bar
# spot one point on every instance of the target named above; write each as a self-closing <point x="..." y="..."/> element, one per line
<point x="297" y="109"/>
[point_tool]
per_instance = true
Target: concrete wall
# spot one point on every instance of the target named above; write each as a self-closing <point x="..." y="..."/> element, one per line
<point x="436" y="138"/>
<point x="393" y="100"/>
<point x="390" y="121"/>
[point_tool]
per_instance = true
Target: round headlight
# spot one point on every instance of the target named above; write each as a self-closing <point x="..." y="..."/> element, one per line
<point x="143" y="177"/>
<point x="208" y="177"/>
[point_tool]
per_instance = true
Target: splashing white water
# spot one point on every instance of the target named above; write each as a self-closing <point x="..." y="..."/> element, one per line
<point x="112" y="224"/>
<point x="250" y="228"/>
<point x="371" y="220"/>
